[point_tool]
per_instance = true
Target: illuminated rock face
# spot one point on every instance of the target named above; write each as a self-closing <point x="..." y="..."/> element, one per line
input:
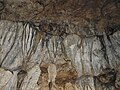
<point x="59" y="45"/>
<point x="58" y="56"/>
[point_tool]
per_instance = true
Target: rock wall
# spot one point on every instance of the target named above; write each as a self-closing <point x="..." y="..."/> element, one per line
<point x="58" y="56"/>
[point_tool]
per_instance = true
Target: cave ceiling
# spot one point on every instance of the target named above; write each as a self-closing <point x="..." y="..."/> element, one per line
<point x="101" y="13"/>
<point x="67" y="43"/>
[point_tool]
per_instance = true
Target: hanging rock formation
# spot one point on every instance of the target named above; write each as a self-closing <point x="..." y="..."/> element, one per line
<point x="59" y="45"/>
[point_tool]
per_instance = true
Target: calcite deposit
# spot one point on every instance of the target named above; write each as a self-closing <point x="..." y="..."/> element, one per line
<point x="60" y="45"/>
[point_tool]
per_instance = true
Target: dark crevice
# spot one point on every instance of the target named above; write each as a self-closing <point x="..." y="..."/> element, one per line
<point x="103" y="48"/>
<point x="106" y="79"/>
<point x="21" y="75"/>
<point x="110" y="30"/>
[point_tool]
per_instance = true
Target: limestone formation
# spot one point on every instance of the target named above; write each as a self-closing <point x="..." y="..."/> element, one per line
<point x="59" y="45"/>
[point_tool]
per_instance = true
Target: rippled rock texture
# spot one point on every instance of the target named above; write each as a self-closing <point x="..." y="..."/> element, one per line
<point x="58" y="56"/>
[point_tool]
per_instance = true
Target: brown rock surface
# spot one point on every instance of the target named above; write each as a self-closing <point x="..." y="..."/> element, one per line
<point x="59" y="44"/>
<point x="75" y="11"/>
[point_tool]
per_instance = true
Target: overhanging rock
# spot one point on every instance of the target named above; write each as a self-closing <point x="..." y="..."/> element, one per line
<point x="80" y="12"/>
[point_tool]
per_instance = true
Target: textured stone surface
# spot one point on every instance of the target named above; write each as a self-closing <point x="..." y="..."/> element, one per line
<point x="80" y="12"/>
<point x="59" y="44"/>
<point x="5" y="77"/>
<point x="58" y="56"/>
